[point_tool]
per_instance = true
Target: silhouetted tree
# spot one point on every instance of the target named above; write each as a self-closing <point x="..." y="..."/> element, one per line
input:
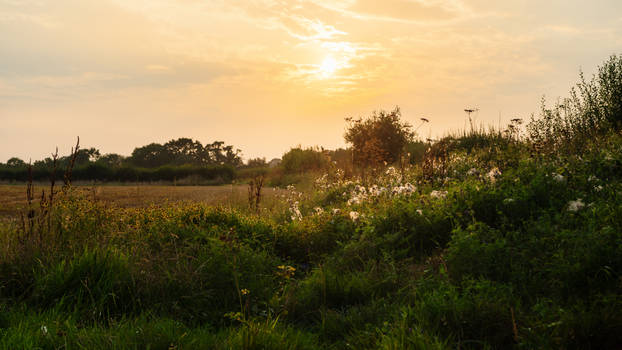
<point x="111" y="160"/>
<point x="15" y="163"/>
<point x="257" y="163"/>
<point x="151" y="156"/>
<point x="380" y="138"/>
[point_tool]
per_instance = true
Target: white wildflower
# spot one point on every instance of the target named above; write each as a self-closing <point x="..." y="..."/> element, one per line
<point x="558" y="177"/>
<point x="508" y="200"/>
<point x="44" y="330"/>
<point x="472" y="172"/>
<point x="336" y="211"/>
<point x="295" y="211"/>
<point x="318" y="210"/>
<point x="354" y="215"/>
<point x="438" y="194"/>
<point x="574" y="206"/>
<point x="419" y="211"/>
<point x="598" y="188"/>
<point x="493" y="174"/>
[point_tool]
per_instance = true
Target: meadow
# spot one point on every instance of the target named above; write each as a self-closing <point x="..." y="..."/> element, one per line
<point x="495" y="240"/>
<point x="13" y="197"/>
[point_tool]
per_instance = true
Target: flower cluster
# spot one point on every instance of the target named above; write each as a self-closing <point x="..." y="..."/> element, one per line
<point x="438" y="194"/>
<point x="574" y="206"/>
<point x="285" y="271"/>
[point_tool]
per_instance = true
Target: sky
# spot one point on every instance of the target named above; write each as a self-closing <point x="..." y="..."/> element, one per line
<point x="268" y="75"/>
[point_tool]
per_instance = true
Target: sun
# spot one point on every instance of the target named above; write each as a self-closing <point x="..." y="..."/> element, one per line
<point x="328" y="67"/>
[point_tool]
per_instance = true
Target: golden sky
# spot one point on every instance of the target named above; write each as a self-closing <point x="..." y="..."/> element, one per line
<point x="265" y="75"/>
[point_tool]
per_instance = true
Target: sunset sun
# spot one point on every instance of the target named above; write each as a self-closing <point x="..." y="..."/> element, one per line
<point x="328" y="67"/>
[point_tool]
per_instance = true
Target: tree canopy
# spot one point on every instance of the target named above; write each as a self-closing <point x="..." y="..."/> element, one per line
<point x="380" y="138"/>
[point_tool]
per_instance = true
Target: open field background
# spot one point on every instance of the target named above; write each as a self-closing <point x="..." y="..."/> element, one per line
<point x="13" y="197"/>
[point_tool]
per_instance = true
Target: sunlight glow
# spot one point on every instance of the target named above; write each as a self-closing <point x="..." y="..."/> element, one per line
<point x="328" y="67"/>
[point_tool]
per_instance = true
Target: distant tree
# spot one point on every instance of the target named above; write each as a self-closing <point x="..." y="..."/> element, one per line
<point x="257" y="163"/>
<point x="221" y="154"/>
<point x="15" y="163"/>
<point x="111" y="160"/>
<point x="151" y="156"/>
<point x="85" y="156"/>
<point x="186" y="151"/>
<point x="378" y="139"/>
<point x="298" y="160"/>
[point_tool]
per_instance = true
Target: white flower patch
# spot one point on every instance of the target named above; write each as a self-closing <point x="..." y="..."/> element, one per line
<point x="574" y="206"/>
<point x="558" y="177"/>
<point x="406" y="189"/>
<point x="294" y="210"/>
<point x="508" y="200"/>
<point x="318" y="210"/>
<point x="354" y="215"/>
<point x="438" y="194"/>
<point x="493" y="174"/>
<point x="472" y="172"/>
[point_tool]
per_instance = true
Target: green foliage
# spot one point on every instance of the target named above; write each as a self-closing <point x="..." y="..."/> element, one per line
<point x="298" y="160"/>
<point x="593" y="108"/>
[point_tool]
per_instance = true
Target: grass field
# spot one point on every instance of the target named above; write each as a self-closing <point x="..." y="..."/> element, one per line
<point x="13" y="197"/>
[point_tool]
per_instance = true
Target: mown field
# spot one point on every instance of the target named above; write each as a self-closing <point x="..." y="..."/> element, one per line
<point x="13" y="197"/>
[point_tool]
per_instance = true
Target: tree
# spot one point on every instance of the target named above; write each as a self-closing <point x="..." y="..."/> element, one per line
<point x="85" y="155"/>
<point x="15" y="163"/>
<point x="111" y="160"/>
<point x="299" y="160"/>
<point x="257" y="163"/>
<point x="379" y="139"/>
<point x="151" y="156"/>
<point x="185" y="151"/>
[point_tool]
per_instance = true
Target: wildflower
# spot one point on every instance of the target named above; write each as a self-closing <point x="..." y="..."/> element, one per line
<point x="245" y="291"/>
<point x="438" y="194"/>
<point x="472" y="172"/>
<point x="558" y="177"/>
<point x="598" y="188"/>
<point x="419" y="211"/>
<point x="574" y="206"/>
<point x="592" y="178"/>
<point x="354" y="215"/>
<point x="295" y="211"/>
<point x="493" y="174"/>
<point x="44" y="330"/>
<point x="318" y="210"/>
<point x="336" y="211"/>
<point x="286" y="272"/>
<point x="391" y="171"/>
<point x="508" y="200"/>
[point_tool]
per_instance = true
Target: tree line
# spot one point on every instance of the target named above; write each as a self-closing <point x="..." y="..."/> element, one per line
<point x="174" y="160"/>
<point x="380" y="139"/>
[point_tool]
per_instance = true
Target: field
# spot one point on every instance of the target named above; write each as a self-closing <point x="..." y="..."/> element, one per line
<point x="13" y="197"/>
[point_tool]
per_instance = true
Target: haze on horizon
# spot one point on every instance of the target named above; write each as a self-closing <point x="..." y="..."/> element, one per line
<point x="266" y="75"/>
